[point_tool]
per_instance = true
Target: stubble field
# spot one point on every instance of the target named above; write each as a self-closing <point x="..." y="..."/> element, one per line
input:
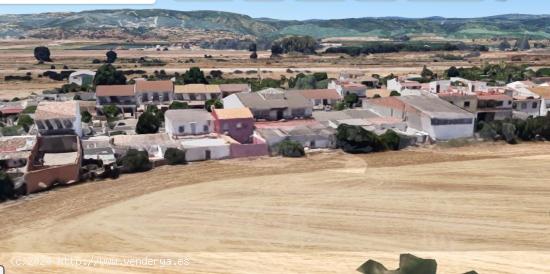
<point x="484" y="207"/>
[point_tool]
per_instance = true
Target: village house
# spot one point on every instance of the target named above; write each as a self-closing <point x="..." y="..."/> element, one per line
<point x="493" y="106"/>
<point x="196" y="95"/>
<point x="321" y="99"/>
<point x="471" y="86"/>
<point x="121" y="96"/>
<point x="348" y="87"/>
<point x="466" y="101"/>
<point x="271" y="104"/>
<point x="400" y="83"/>
<point x="82" y="78"/>
<point x="154" y="92"/>
<point x="544" y="93"/>
<point x="181" y="122"/>
<point x="53" y="160"/>
<point x="238" y="123"/>
<point x="58" y="118"/>
<point x="99" y="148"/>
<point x="440" y="119"/>
<point x="228" y="89"/>
<point x="202" y="149"/>
<point x="311" y="136"/>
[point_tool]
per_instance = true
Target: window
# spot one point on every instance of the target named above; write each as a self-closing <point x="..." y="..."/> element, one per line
<point x="49" y="124"/>
<point x="67" y="123"/>
<point x="441" y="122"/>
<point x="58" y="123"/>
<point x="535" y="104"/>
<point x="239" y="125"/>
<point x="225" y="127"/>
<point x="205" y="128"/>
<point x="523" y="105"/>
<point x="181" y="129"/>
<point x="466" y="104"/>
<point x="40" y="125"/>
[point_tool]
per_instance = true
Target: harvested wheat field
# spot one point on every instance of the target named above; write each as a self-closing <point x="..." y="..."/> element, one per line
<point x="482" y="207"/>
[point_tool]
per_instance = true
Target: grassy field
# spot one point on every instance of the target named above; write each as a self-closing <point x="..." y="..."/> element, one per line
<point x="482" y="207"/>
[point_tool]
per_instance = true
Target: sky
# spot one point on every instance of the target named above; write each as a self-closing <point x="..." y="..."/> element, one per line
<point x="318" y="9"/>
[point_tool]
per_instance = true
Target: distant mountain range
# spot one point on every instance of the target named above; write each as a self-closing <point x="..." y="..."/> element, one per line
<point x="172" y="25"/>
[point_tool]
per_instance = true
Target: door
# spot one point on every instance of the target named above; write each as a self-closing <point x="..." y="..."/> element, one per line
<point x="194" y="128"/>
<point x="280" y="114"/>
<point x="207" y="154"/>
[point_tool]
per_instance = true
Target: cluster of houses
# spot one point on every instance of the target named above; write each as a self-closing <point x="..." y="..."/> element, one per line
<point x="250" y="124"/>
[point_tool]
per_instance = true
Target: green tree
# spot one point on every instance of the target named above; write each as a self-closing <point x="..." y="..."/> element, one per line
<point x="148" y="123"/>
<point x="289" y="148"/>
<point x="86" y="116"/>
<point x="356" y="139"/>
<point x="217" y="103"/>
<point x="108" y="75"/>
<point x="29" y="109"/>
<point x="351" y="99"/>
<point x="135" y="161"/>
<point x="25" y="121"/>
<point x="395" y="93"/>
<point x="504" y="45"/>
<point x="391" y="140"/>
<point x="340" y="105"/>
<point x="426" y="73"/>
<point x="175" y="156"/>
<point x="194" y="76"/>
<point x="111" y="111"/>
<point x="42" y="54"/>
<point x="178" y="105"/>
<point x="111" y="56"/>
<point x="6" y="186"/>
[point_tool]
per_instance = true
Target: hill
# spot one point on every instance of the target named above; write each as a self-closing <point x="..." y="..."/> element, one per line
<point x="170" y="25"/>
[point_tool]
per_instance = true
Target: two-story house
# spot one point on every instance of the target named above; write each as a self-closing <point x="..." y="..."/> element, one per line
<point x="182" y="122"/>
<point x="58" y="118"/>
<point x="122" y="96"/>
<point x="154" y="92"/>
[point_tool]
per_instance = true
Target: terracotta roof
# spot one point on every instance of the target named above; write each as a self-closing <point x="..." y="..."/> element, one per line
<point x="53" y="110"/>
<point x="321" y="94"/>
<point x="234" y="87"/>
<point x="489" y="96"/>
<point x="391" y="101"/>
<point x="197" y="88"/>
<point x="150" y="86"/>
<point x="541" y="91"/>
<point x="115" y="90"/>
<point x="11" y="110"/>
<point x="234" y="113"/>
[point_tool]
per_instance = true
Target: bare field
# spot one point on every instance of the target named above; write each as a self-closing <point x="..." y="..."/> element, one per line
<point x="484" y="207"/>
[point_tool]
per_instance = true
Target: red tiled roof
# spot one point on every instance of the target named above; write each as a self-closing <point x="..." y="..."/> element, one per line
<point x="149" y="86"/>
<point x="115" y="90"/>
<point x="233" y="113"/>
<point x="321" y="94"/>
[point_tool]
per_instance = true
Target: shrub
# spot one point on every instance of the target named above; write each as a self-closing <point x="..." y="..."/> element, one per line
<point x="395" y="93"/>
<point x="25" y="121"/>
<point x="148" y="123"/>
<point x="391" y="140"/>
<point x="175" y="156"/>
<point x="86" y="116"/>
<point x="135" y="161"/>
<point x="351" y="99"/>
<point x="217" y="103"/>
<point x="11" y="131"/>
<point x="178" y="105"/>
<point x="6" y="186"/>
<point x="355" y="139"/>
<point x="291" y="149"/>
<point x="30" y="109"/>
<point x="509" y="133"/>
<point x="487" y="132"/>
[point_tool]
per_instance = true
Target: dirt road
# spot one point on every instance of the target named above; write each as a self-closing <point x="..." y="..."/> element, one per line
<point x="480" y="207"/>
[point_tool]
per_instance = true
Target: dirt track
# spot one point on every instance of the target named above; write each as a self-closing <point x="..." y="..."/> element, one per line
<point x="481" y="207"/>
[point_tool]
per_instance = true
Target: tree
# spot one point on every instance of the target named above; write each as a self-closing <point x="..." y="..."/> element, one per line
<point x="253" y="47"/>
<point x="351" y="99"/>
<point x="391" y="139"/>
<point x="25" y="121"/>
<point x="217" y="103"/>
<point x="111" y="111"/>
<point x="108" y="75"/>
<point x="254" y="55"/>
<point x="135" y="161"/>
<point x="395" y="93"/>
<point x="148" y="123"/>
<point x="426" y="73"/>
<point x="86" y="116"/>
<point x="194" y="76"/>
<point x="356" y="139"/>
<point x="376" y="96"/>
<point x="29" y="109"/>
<point x="175" y="156"/>
<point x="340" y="105"/>
<point x="42" y="54"/>
<point x="276" y="50"/>
<point x="178" y="105"/>
<point x="6" y="186"/>
<point x="523" y="44"/>
<point x="111" y="56"/>
<point x="453" y="72"/>
<point x="289" y="148"/>
<point x="504" y="45"/>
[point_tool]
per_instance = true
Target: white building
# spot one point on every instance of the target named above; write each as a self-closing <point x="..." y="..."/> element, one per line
<point x="205" y="149"/>
<point x="58" y="118"/>
<point x="181" y="122"/>
<point x="82" y="77"/>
